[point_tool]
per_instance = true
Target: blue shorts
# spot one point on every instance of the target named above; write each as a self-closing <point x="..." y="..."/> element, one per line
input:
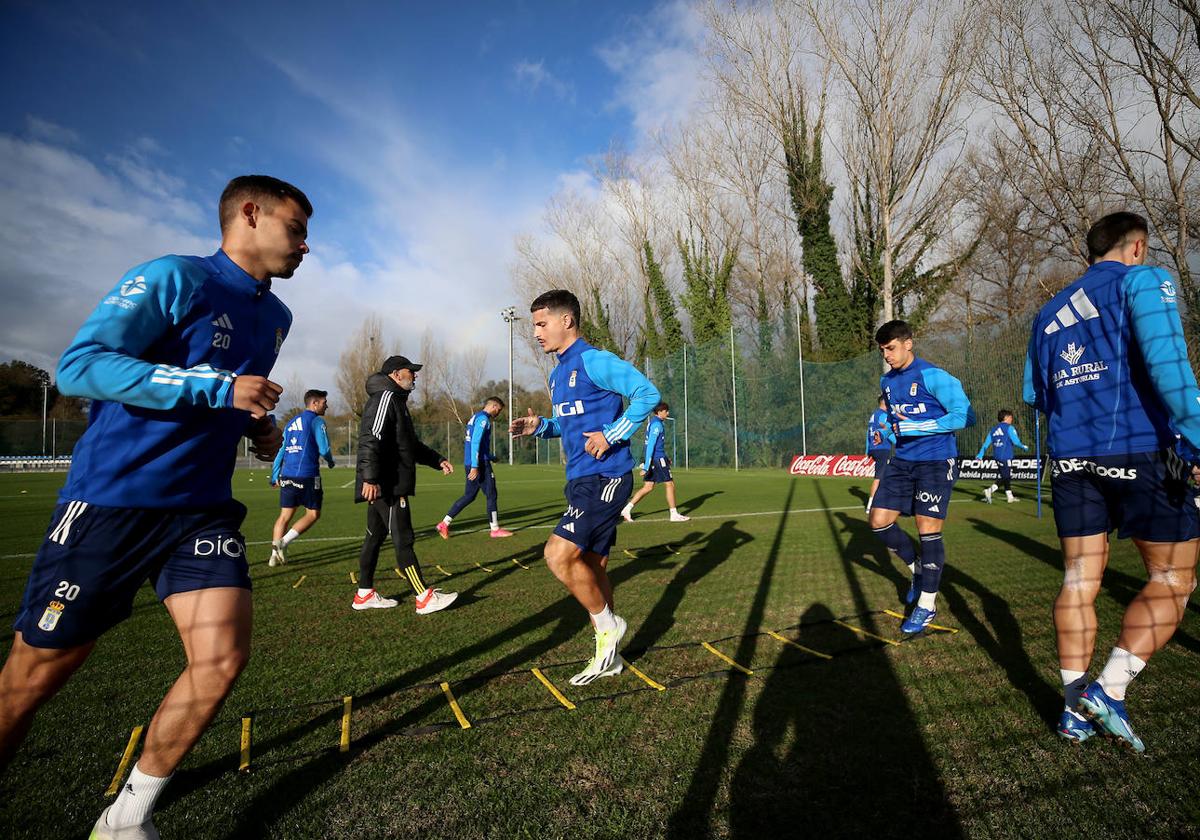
<point x="94" y="559"/>
<point x="917" y="488"/>
<point x="301" y="492"/>
<point x="881" y="458"/>
<point x="1145" y="496"/>
<point x="660" y="470"/>
<point x="594" y="504"/>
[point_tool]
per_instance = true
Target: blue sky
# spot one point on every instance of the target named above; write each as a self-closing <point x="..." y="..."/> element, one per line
<point x="427" y="135"/>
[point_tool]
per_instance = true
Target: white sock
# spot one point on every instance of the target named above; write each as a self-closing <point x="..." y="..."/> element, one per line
<point x="628" y="507"/>
<point x="363" y="593"/>
<point x="1073" y="684"/>
<point x="495" y="521"/>
<point x="912" y="568"/>
<point x="927" y="600"/>
<point x="289" y="536"/>
<point x="993" y="488"/>
<point x="136" y="801"/>
<point x="1122" y="667"/>
<point x="869" y="500"/>
<point x="447" y="519"/>
<point x="674" y="512"/>
<point x="276" y="543"/>
<point x="604" y="620"/>
<point x="1008" y="493"/>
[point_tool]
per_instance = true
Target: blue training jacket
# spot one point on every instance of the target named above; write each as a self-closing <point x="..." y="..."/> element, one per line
<point x="1108" y="366"/>
<point x="1002" y="438"/>
<point x="304" y="441"/>
<point x="587" y="388"/>
<point x="880" y="437"/>
<point x="477" y="447"/>
<point x="158" y="358"/>
<point x="934" y="406"/>
<point x="655" y="442"/>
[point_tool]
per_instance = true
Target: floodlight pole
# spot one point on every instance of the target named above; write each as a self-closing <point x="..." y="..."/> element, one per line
<point x="687" y="464"/>
<point x="733" y="375"/>
<point x="800" y="350"/>
<point x="45" y="390"/>
<point x="509" y="314"/>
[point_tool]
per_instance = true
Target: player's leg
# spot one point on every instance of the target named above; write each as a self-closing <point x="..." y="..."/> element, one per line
<point x="871" y="493"/>
<point x="643" y="491"/>
<point x="379" y="515"/>
<point x="427" y="599"/>
<point x="281" y="523"/>
<point x="30" y="677"/>
<point x="313" y="499"/>
<point x="470" y="491"/>
<point x="493" y="504"/>
<point x="278" y="546"/>
<point x="565" y="561"/>
<point x="894" y="497"/>
<point x="675" y="515"/>
<point x="1006" y="481"/>
<point x="933" y="485"/>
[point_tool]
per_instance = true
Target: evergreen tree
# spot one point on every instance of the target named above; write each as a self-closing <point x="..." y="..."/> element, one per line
<point x="596" y="326"/>
<point x="670" y="339"/>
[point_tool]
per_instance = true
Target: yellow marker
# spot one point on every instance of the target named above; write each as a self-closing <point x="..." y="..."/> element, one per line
<point x="296" y="585"/>
<point x="863" y="632"/>
<point x="443" y="571"/>
<point x="629" y="553"/>
<point x="353" y="579"/>
<point x="399" y="573"/>
<point x="643" y="677"/>
<point x="672" y="549"/>
<point x="458" y="713"/>
<point x="787" y="641"/>
<point x="346" y="703"/>
<point x="115" y="785"/>
<point x="485" y="568"/>
<point x="720" y="655"/>
<point x="245" y="762"/>
<point x="934" y="626"/>
<point x="519" y="563"/>
<point x="558" y="695"/>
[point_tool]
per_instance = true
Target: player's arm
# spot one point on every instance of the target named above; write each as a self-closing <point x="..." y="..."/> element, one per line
<point x="322" y="438"/>
<point x="102" y="361"/>
<point x="1033" y="388"/>
<point x="1016" y="440"/>
<point x="987" y="441"/>
<point x="949" y="392"/>
<point x="1157" y="329"/>
<point x="478" y="430"/>
<point x="277" y="466"/>
<point x="617" y="375"/>
<point x="651" y="442"/>
<point x="547" y="427"/>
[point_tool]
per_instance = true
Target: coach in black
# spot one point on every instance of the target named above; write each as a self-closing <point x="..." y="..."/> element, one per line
<point x="386" y="478"/>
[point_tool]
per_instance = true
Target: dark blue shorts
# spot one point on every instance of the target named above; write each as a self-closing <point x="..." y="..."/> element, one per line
<point x="917" y="488"/>
<point x="660" y="470"/>
<point x="1144" y="496"/>
<point x="94" y="559"/>
<point x="301" y="492"/>
<point x="594" y="505"/>
<point x="881" y="459"/>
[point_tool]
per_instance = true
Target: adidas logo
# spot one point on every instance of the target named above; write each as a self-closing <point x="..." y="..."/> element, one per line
<point x="570" y="526"/>
<point x="935" y="509"/>
<point x="223" y="322"/>
<point x="1084" y="310"/>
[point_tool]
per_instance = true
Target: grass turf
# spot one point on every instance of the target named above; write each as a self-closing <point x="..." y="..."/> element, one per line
<point x="950" y="733"/>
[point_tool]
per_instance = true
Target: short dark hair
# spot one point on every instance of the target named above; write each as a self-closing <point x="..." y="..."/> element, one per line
<point x="882" y="397"/>
<point x="557" y="300"/>
<point x="262" y="190"/>
<point x="1001" y="414"/>
<point x="495" y="400"/>
<point x="662" y="406"/>
<point x="314" y="394"/>
<point x="893" y="331"/>
<point x="1111" y="231"/>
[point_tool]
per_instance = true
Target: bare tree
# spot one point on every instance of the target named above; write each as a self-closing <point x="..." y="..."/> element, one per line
<point x="451" y="379"/>
<point x="364" y="354"/>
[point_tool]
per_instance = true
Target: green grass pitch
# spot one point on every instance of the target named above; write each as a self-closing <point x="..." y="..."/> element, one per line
<point x="950" y="733"/>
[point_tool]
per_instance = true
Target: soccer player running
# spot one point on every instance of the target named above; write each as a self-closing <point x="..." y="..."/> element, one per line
<point x="656" y="466"/>
<point x="478" y="458"/>
<point x="926" y="406"/>
<point x="175" y="360"/>
<point x="587" y="391"/>
<point x="385" y="478"/>
<point x="880" y="440"/>
<point x="1108" y="366"/>
<point x="297" y="472"/>
<point x="1002" y="438"/>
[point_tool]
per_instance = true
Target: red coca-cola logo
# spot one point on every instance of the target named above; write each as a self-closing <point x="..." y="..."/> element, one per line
<point x="846" y="466"/>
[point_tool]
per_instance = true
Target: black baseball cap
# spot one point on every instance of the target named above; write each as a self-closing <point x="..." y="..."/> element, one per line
<point x="395" y="363"/>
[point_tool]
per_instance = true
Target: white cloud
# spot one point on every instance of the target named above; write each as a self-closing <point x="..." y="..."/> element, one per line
<point x="533" y="76"/>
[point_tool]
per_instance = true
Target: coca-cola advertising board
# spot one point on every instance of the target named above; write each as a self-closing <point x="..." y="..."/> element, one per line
<point x="861" y="466"/>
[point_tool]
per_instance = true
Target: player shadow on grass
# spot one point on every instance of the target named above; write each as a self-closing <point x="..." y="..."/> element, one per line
<point x="696" y="502"/>
<point x="555" y="624"/>
<point x="1122" y="587"/>
<point x="998" y="633"/>
<point x="714" y="548"/>
<point x="829" y="735"/>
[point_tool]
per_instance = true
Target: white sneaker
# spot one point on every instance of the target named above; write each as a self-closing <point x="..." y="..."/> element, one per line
<point x="627" y="513"/>
<point x="679" y="517"/>
<point x="278" y="553"/>
<point x="102" y="831"/>
<point x="1012" y="499"/>
<point x="373" y="601"/>
<point x="607" y="660"/>
<point x="987" y="494"/>
<point x="434" y="600"/>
